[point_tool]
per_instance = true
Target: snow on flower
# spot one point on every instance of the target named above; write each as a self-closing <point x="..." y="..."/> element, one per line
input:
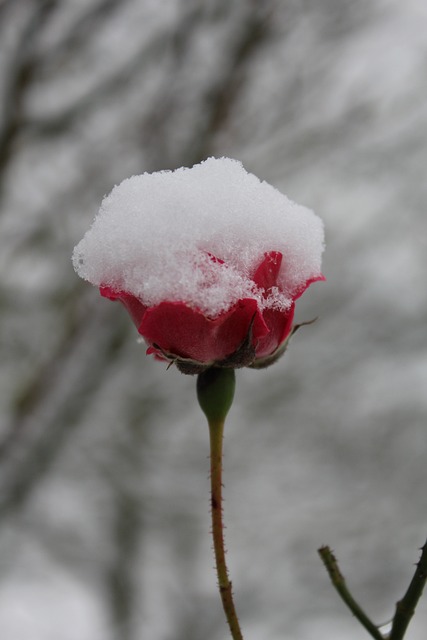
<point x="208" y="261"/>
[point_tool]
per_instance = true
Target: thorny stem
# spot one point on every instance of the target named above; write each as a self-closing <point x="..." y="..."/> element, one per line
<point x="216" y="430"/>
<point x="405" y="608"/>
<point x="215" y="392"/>
<point x="338" y="582"/>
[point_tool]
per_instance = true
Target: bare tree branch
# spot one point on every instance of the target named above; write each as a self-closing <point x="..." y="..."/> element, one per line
<point x="19" y="78"/>
<point x="220" y="98"/>
<point x="58" y="405"/>
<point x="80" y="31"/>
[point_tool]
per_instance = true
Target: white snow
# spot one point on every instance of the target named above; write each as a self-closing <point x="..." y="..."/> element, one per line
<point x="156" y="235"/>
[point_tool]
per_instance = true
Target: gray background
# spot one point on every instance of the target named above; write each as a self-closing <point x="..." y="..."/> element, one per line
<point x="104" y="518"/>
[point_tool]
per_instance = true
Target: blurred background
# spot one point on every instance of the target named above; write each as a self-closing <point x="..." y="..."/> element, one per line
<point x="104" y="508"/>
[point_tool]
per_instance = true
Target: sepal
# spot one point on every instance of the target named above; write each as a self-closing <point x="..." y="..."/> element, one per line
<point x="263" y="363"/>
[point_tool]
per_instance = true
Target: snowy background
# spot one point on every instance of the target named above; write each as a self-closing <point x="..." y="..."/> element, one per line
<point x="104" y="518"/>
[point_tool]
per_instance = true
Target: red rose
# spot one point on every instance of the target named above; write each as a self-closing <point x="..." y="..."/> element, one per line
<point x="245" y="335"/>
<point x="208" y="260"/>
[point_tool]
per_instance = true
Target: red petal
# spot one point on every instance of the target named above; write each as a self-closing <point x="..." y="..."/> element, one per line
<point x="179" y="330"/>
<point x="134" y="306"/>
<point x="305" y="286"/>
<point x="186" y="333"/>
<point x="279" y="324"/>
<point x="268" y="271"/>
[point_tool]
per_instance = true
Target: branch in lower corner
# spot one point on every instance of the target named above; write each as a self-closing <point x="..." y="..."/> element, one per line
<point x="339" y="583"/>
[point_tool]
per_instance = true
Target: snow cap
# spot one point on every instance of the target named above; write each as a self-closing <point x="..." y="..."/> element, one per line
<point x="197" y="236"/>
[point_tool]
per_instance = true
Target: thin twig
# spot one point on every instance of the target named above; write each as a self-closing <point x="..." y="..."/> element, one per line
<point x="405" y="608"/>
<point x="338" y="582"/>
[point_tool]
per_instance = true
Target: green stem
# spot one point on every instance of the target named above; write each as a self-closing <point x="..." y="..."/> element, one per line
<point x="338" y="582"/>
<point x="216" y="431"/>
<point x="215" y="392"/>
<point x="405" y="608"/>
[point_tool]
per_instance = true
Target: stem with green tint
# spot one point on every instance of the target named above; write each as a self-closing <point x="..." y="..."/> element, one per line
<point x="339" y="583"/>
<point x="215" y="390"/>
<point x="405" y="608"/>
